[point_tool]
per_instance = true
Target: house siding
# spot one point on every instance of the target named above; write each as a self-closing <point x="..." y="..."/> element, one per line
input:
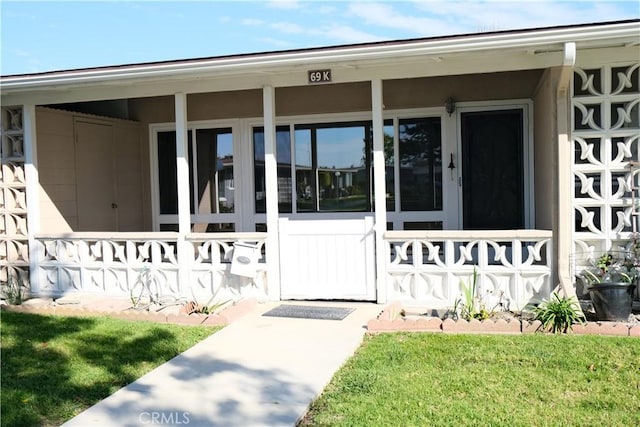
<point x="58" y="173"/>
<point x="432" y="91"/>
<point x="545" y="135"/>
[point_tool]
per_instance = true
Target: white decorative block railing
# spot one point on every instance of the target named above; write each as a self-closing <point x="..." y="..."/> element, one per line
<point x="586" y="254"/>
<point x="428" y="267"/>
<point x="211" y="264"/>
<point x="114" y="263"/>
<point x="14" y="240"/>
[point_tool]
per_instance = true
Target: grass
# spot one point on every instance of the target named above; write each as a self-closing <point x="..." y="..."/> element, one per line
<point x="464" y="380"/>
<point x="54" y="367"/>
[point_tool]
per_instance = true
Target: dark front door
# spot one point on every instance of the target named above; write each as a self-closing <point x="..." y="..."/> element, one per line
<point x="492" y="170"/>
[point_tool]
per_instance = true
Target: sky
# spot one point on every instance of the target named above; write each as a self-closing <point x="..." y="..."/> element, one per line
<point x="38" y="36"/>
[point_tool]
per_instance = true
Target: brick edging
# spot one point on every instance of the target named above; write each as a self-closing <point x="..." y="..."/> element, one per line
<point x="390" y="320"/>
<point x="226" y="316"/>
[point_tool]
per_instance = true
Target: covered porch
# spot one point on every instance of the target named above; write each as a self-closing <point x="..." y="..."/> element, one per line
<point x="396" y="178"/>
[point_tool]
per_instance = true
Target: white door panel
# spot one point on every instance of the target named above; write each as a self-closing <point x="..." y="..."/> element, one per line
<point x="327" y="259"/>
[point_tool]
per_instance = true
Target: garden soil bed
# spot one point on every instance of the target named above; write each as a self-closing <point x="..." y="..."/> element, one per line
<point x="92" y="305"/>
<point x="397" y="317"/>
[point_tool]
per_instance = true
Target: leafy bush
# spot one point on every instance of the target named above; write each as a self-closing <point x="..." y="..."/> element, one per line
<point x="559" y="313"/>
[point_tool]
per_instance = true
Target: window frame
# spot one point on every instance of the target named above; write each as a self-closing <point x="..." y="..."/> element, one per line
<point x="447" y="215"/>
<point x="157" y="219"/>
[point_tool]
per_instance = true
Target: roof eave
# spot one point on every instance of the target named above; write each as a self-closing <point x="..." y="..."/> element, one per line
<point x="589" y="36"/>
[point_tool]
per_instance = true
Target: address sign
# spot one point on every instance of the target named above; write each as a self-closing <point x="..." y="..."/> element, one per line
<point x="319" y="76"/>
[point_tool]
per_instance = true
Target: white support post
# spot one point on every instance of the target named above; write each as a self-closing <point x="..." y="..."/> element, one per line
<point x="271" y="182"/>
<point x="564" y="225"/>
<point x="182" y="175"/>
<point x="379" y="185"/>
<point x="33" y="194"/>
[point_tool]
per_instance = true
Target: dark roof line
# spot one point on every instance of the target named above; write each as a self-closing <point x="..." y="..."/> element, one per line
<point x="399" y="42"/>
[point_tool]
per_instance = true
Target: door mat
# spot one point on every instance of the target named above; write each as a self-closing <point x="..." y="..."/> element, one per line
<point x="309" y="312"/>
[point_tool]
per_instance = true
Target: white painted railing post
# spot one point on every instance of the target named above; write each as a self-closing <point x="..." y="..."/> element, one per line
<point x="33" y="193"/>
<point x="271" y="183"/>
<point x="379" y="185"/>
<point x="182" y="173"/>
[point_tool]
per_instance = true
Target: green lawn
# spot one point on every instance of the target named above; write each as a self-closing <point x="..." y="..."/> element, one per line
<point x="54" y="367"/>
<point x="419" y="379"/>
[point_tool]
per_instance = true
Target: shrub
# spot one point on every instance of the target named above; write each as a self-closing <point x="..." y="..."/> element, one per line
<point x="559" y="314"/>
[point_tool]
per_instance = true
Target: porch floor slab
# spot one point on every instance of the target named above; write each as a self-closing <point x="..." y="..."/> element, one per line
<point x="257" y="371"/>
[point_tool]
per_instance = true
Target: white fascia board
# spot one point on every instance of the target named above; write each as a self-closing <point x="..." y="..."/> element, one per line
<point x="401" y="69"/>
<point x="602" y="34"/>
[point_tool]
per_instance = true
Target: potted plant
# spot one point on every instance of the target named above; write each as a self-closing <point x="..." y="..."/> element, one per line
<point x="611" y="282"/>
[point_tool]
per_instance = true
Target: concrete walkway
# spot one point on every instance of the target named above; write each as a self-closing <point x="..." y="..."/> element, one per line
<point x="258" y="371"/>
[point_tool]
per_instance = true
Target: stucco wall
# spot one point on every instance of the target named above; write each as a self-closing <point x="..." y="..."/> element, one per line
<point x="345" y="97"/>
<point x="200" y="106"/>
<point x="58" y="174"/>
<point x="433" y="91"/>
<point x="319" y="99"/>
<point x="545" y="134"/>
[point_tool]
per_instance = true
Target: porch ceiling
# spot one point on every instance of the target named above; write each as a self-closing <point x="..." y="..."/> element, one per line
<point x="479" y="53"/>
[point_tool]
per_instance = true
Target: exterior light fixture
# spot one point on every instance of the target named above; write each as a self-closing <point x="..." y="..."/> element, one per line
<point x="450" y="106"/>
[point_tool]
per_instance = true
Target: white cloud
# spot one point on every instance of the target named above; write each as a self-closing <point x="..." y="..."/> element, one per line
<point x="251" y="22"/>
<point x="332" y="31"/>
<point x="324" y="9"/>
<point x="274" y="42"/>
<point x="284" y="4"/>
<point x="19" y="52"/>
<point x="31" y="63"/>
<point x="496" y="15"/>
<point x="288" y="27"/>
<point x="347" y="34"/>
<point x="386" y="16"/>
<point x="431" y="18"/>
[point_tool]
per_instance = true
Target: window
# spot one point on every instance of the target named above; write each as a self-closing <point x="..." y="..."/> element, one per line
<point x="214" y="171"/>
<point x="332" y="166"/>
<point x="389" y="162"/>
<point x="211" y="173"/>
<point x="420" y="164"/>
<point x="167" y="175"/>
<point x="283" y="156"/>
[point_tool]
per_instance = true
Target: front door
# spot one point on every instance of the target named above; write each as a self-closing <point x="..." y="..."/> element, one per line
<point x="493" y="169"/>
<point x="96" y="184"/>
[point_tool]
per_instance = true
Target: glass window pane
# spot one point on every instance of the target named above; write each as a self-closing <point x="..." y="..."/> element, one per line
<point x="343" y="173"/>
<point x="303" y="147"/>
<point x="420" y="164"/>
<point x="389" y="161"/>
<point x="167" y="176"/>
<point x="215" y="188"/>
<point x="305" y="183"/>
<point x="224" y="171"/>
<point x="259" y="185"/>
<point x="206" y="170"/>
<point x="283" y="155"/>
